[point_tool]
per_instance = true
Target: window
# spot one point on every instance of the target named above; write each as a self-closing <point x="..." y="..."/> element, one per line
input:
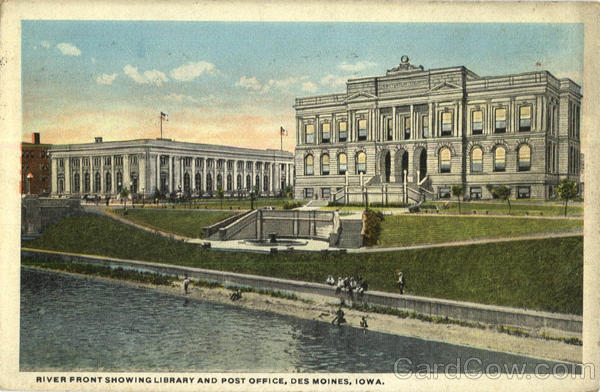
<point x="444" y="192"/>
<point x="325" y="164"/>
<point x="97" y="182"/>
<point x="445" y="157"/>
<point x="309" y="168"/>
<point x="239" y="182"/>
<point x="477" y="160"/>
<point x="249" y="166"/>
<point x="133" y="160"/>
<point x="187" y="162"/>
<point x="362" y="129"/>
<point x="361" y="163"/>
<point x="220" y="164"/>
<point x="210" y="163"/>
<point x="500" y="115"/>
<point x="477" y="122"/>
<point x="342" y="163"/>
<point x="198" y="182"/>
<point x="325" y="193"/>
<point x="108" y="184"/>
<point x="309" y="130"/>
<point x="499" y="159"/>
<point x="107" y="161"/>
<point x="164" y="160"/>
<point x="229" y="182"/>
<point x="523" y="192"/>
<point x="389" y="126"/>
<point x="425" y="122"/>
<point x="266" y="183"/>
<point x="118" y="161"/>
<point x="119" y="181"/>
<point x="475" y="193"/>
<point x="86" y="182"/>
<point x="229" y="165"/>
<point x="447" y="124"/>
<point x="198" y="162"/>
<point x="326" y="132"/>
<point x="406" y="127"/>
<point x="97" y="162"/>
<point x="343" y="131"/>
<point x="525" y="118"/>
<point x="85" y="162"/>
<point x="76" y="182"/>
<point x="75" y="162"/>
<point x="61" y="163"/>
<point x="308" y="193"/>
<point x="209" y="184"/>
<point x="524" y="158"/>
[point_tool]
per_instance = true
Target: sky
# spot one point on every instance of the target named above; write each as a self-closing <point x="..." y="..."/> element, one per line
<point x="234" y="83"/>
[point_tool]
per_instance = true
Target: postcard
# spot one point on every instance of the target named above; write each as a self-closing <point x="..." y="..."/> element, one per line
<point x="309" y="196"/>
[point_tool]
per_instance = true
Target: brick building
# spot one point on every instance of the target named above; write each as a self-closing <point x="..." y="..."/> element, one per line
<point x="35" y="167"/>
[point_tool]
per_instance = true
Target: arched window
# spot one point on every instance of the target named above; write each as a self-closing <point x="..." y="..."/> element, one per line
<point x="186" y="183"/>
<point x="309" y="165"/>
<point x="229" y="182"/>
<point x="477" y="160"/>
<point x="61" y="185"/>
<point x="342" y="163"/>
<point x="209" y="184"/>
<point x="76" y="183"/>
<point x="266" y="183"/>
<point x="248" y="182"/>
<point x="445" y="160"/>
<point x="198" y="182"/>
<point x="97" y="180"/>
<point x="361" y="162"/>
<point x="108" y="185"/>
<point x="119" y="181"/>
<point x="219" y="181"/>
<point x="325" y="164"/>
<point x="309" y="130"/>
<point x="524" y="158"/>
<point x="239" y="181"/>
<point x="86" y="182"/>
<point x="257" y="183"/>
<point x="499" y="159"/>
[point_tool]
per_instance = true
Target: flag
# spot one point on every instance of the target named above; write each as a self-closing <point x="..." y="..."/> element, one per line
<point x="164" y="116"/>
<point x="538" y="64"/>
<point x="282" y="131"/>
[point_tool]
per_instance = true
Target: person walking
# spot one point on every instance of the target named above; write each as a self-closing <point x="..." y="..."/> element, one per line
<point x="401" y="282"/>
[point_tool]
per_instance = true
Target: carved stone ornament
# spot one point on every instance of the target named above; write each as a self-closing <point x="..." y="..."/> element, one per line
<point x="404" y="67"/>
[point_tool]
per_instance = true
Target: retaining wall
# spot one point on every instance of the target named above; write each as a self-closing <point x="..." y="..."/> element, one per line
<point x="466" y="311"/>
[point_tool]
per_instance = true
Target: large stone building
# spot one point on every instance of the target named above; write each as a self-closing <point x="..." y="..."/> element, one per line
<point x="144" y="165"/>
<point x="35" y="167"/>
<point x="413" y="133"/>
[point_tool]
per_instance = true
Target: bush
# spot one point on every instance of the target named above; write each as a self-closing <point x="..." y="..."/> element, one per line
<point x="375" y="205"/>
<point x="291" y="204"/>
<point x="372" y="226"/>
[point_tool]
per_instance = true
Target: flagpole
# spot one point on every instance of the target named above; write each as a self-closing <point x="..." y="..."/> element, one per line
<point x="281" y="139"/>
<point x="161" y="126"/>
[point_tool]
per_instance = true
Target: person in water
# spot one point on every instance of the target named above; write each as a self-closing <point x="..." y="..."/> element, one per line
<point x="363" y="322"/>
<point x="339" y="317"/>
<point x="186" y="283"/>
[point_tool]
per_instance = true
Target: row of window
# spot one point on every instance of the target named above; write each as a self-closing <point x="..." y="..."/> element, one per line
<point x="219" y="184"/>
<point x="447" y="125"/>
<point x="32" y="154"/>
<point x="475" y="192"/>
<point x="360" y="159"/>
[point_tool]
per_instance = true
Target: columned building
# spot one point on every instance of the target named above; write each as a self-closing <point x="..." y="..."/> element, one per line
<point x="144" y="165"/>
<point x="413" y="133"/>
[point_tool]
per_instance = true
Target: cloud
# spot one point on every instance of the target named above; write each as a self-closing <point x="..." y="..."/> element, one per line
<point x="45" y="44"/>
<point x="309" y="86"/>
<point x="93" y="60"/>
<point x="191" y="71"/>
<point x="358" y="66"/>
<point x="148" y="77"/>
<point x="68" y="49"/>
<point x="333" y="81"/>
<point x="249" y="83"/>
<point x="106" y="78"/>
<point x="180" y="98"/>
<point x="284" y="83"/>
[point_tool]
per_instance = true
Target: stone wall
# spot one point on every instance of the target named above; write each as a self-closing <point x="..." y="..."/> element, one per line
<point x="37" y="213"/>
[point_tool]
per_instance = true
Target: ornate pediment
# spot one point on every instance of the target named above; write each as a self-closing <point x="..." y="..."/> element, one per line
<point x="361" y="96"/>
<point x="444" y="86"/>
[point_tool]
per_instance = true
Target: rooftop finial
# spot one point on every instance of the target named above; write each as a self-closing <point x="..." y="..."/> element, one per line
<point x="404" y="66"/>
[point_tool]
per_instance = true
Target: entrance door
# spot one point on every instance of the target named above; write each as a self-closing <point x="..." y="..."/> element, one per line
<point x="387" y="166"/>
<point x="422" y="165"/>
<point x="404" y="165"/>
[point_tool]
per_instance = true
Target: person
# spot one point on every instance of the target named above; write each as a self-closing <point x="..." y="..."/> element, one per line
<point x="186" y="283"/>
<point x="107" y="200"/>
<point x="363" y="322"/>
<point x="339" y="317"/>
<point x="330" y="280"/>
<point x="401" y="282"/>
<point x="236" y="295"/>
<point x="340" y="284"/>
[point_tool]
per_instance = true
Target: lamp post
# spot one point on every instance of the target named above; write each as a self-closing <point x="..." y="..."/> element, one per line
<point x="143" y="198"/>
<point x="29" y="177"/>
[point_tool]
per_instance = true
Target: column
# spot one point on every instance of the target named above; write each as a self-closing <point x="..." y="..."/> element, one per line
<point x="157" y="171"/>
<point x="126" y="178"/>
<point x="102" y="179"/>
<point x="298" y="130"/>
<point x="81" y="176"/>
<point x="113" y="180"/>
<point x="460" y="129"/>
<point x="317" y="130"/>
<point x="142" y="175"/>
<point x="170" y="173"/>
<point x="54" y="181"/>
<point x="411" y="158"/>
<point x="193" y="177"/>
<point x="67" y="161"/>
<point x="235" y="181"/>
<point x="204" y="175"/>
<point x="455" y="119"/>
<point x="392" y="166"/>
<point x="92" y="176"/>
<point x="430" y="119"/>
<point x="272" y="181"/>
<point x="394" y="135"/>
<point x="538" y="114"/>
<point x="413" y="133"/>
<point x="181" y="172"/>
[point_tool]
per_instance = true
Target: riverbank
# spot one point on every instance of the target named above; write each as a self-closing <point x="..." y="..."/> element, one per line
<point x="315" y="307"/>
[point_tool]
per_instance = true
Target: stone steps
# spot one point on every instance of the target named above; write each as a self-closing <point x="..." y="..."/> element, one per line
<point x="350" y="236"/>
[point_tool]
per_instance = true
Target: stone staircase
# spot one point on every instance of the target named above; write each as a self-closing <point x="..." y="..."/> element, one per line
<point x="350" y="236"/>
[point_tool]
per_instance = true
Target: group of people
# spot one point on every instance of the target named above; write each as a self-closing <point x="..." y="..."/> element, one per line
<point x="339" y="318"/>
<point x="350" y="285"/>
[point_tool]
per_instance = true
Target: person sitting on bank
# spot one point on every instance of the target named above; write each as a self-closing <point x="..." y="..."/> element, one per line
<point x="401" y="282"/>
<point x="339" y="317"/>
<point x="330" y="280"/>
<point x="236" y="295"/>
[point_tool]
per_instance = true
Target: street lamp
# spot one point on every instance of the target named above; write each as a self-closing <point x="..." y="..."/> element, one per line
<point x="29" y="177"/>
<point x="143" y="197"/>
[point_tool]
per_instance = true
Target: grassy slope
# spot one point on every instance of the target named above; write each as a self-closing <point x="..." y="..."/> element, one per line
<point x="540" y="274"/>
<point x="403" y="230"/>
<point x="229" y="203"/>
<point x="185" y="222"/>
<point x="517" y="209"/>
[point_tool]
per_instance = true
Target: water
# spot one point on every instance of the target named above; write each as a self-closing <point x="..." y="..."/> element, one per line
<point x="73" y="323"/>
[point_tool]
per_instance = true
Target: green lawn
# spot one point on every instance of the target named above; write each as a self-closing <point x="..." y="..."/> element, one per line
<point x="403" y="230"/>
<point x="227" y="204"/>
<point x="502" y="208"/>
<point x="539" y="274"/>
<point x="185" y="222"/>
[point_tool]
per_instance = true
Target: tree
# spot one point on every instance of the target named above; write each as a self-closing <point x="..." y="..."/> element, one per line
<point x="457" y="190"/>
<point x="220" y="194"/>
<point x="287" y="192"/>
<point x="502" y="192"/>
<point x="124" y="194"/>
<point x="567" y="189"/>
